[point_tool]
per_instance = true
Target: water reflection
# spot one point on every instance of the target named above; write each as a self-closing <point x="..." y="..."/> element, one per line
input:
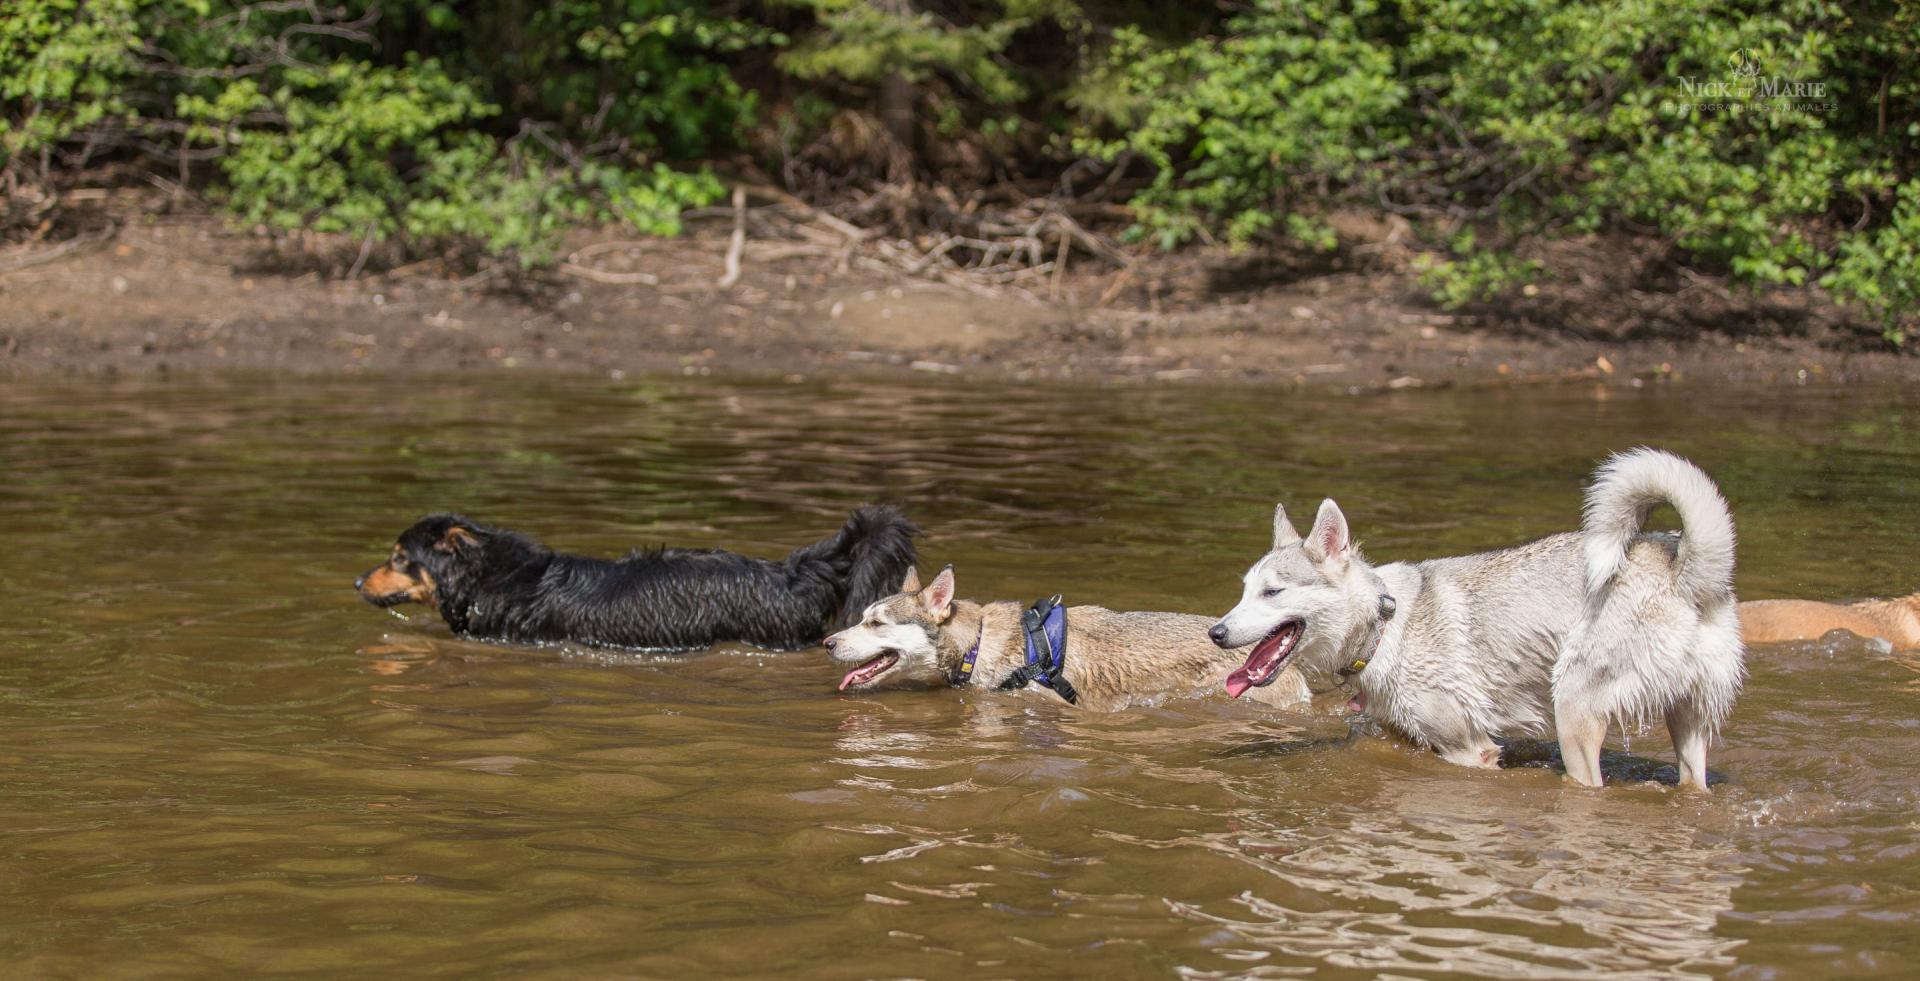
<point x="1433" y="875"/>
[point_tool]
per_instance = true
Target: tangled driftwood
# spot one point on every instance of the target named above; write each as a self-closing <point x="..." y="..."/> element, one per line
<point x="994" y="243"/>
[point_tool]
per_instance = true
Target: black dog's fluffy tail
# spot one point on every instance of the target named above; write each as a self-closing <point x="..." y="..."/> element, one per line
<point x="865" y="561"/>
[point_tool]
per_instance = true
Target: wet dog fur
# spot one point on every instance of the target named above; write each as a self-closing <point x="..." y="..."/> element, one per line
<point x="920" y="636"/>
<point x="1896" y="621"/>
<point x="495" y="584"/>
<point x="1569" y="633"/>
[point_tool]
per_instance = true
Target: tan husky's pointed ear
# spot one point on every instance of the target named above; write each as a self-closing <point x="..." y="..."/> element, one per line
<point x="938" y="596"/>
<point x="911" y="584"/>
<point x="1283" y="533"/>
<point x="1329" y="543"/>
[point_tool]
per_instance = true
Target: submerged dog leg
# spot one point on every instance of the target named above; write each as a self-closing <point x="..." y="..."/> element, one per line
<point x="1481" y="754"/>
<point x="1580" y="740"/>
<point x="1689" y="730"/>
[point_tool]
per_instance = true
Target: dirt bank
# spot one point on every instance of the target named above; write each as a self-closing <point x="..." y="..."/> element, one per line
<point x="184" y="294"/>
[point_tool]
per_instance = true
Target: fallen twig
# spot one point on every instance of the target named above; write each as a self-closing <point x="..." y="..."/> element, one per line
<point x="1113" y="289"/>
<point x="775" y="194"/>
<point x="72" y="245"/>
<point x="611" y="279"/>
<point x="1059" y="267"/>
<point x="598" y="248"/>
<point x="774" y="252"/>
<point x="366" y="249"/>
<point x="739" y="239"/>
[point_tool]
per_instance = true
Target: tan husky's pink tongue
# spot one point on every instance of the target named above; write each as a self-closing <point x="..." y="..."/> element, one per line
<point x="868" y="671"/>
<point x="1357" y="703"/>
<point x="1238" y="682"/>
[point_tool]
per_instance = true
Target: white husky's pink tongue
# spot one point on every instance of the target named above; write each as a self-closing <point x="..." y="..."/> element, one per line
<point x="1262" y="663"/>
<point x="1357" y="703"/>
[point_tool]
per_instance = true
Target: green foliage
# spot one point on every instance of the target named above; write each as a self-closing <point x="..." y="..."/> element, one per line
<point x="336" y="150"/>
<point x="309" y="129"/>
<point x="651" y="200"/>
<point x="1542" y="118"/>
<point x="1291" y="101"/>
<point x="865" y="42"/>
<point x="1882" y="269"/>
<point x="1614" y="134"/>
<point x="62" y="66"/>
<point x="1470" y="275"/>
<point x="644" y="72"/>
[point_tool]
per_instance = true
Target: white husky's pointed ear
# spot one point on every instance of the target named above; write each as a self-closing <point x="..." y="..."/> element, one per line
<point x="911" y="584"/>
<point x="938" y="596"/>
<point x="1283" y="533"/>
<point x="1329" y="541"/>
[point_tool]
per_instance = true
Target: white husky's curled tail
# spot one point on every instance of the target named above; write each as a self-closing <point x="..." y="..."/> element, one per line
<point x="1626" y="488"/>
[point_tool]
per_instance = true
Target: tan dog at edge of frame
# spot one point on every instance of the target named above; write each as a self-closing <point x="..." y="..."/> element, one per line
<point x="1114" y="659"/>
<point x="1896" y="621"/>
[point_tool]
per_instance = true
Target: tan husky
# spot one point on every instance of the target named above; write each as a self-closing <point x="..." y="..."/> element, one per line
<point x="1112" y="659"/>
<point x="1897" y="621"/>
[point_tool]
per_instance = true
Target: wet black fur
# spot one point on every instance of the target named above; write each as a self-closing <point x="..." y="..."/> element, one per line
<point x="500" y="585"/>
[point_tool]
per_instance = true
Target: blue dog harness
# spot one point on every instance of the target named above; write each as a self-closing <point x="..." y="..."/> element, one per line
<point x="964" y="672"/>
<point x="1045" y="624"/>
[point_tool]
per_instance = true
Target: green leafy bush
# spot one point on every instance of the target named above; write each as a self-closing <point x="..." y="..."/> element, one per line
<point x="345" y="149"/>
<point x="1882" y="269"/>
<point x="1509" y="120"/>
<point x="63" y="69"/>
<point x="1253" y="128"/>
<point x="865" y="42"/>
<point x="308" y="128"/>
<point x="648" y="75"/>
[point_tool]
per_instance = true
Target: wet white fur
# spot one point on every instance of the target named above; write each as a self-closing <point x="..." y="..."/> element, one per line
<point x="1568" y="633"/>
<point x="1626" y="488"/>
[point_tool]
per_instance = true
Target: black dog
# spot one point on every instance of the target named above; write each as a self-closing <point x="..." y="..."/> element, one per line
<point x="498" y="585"/>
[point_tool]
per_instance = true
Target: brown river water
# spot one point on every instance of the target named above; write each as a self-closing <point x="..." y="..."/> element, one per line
<point x="219" y="761"/>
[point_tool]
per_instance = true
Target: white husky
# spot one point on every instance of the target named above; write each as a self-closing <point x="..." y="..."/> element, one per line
<point x="1571" y="632"/>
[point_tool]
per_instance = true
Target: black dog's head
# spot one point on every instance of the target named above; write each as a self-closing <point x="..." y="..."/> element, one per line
<point x="429" y="556"/>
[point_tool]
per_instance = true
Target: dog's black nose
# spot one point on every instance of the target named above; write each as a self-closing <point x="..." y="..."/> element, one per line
<point x="359" y="581"/>
<point x="1218" y="635"/>
<point x="830" y="642"/>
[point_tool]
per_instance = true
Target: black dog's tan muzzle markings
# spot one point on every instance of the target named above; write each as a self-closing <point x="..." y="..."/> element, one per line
<point x="386" y="585"/>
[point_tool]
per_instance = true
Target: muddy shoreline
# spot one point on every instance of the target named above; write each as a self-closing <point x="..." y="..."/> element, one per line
<point x="188" y="295"/>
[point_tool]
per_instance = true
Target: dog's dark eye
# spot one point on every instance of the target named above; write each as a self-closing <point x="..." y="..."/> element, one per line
<point x="400" y="563"/>
<point x="1271" y="592"/>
